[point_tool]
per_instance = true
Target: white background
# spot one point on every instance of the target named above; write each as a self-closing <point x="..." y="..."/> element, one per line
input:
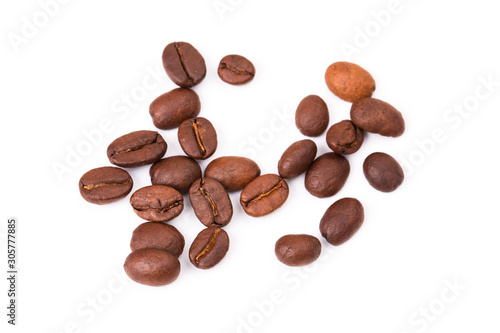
<point x="440" y="228"/>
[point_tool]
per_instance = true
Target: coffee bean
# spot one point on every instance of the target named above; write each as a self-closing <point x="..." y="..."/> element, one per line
<point x="233" y="172"/>
<point x="341" y="220"/>
<point x="184" y="64"/>
<point x="178" y="172"/>
<point x="210" y="202"/>
<point x="157" y="203"/>
<point x="152" y="267"/>
<point x="376" y="116"/>
<point x="297" y="158"/>
<point x="344" y="137"/>
<point x="136" y="149"/>
<point x="172" y="108"/>
<point x="236" y="70"/>
<point x="311" y="116"/>
<point x="209" y="248"/>
<point x="157" y="235"/>
<point x="349" y="81"/>
<point x="105" y="185"/>
<point x="264" y="195"/>
<point x="198" y="138"/>
<point x="297" y="250"/>
<point x="327" y="175"/>
<point x="383" y="172"/>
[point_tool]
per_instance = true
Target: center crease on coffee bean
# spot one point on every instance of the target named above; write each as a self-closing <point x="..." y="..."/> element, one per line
<point x="265" y="194"/>
<point x="159" y="210"/>
<point x="135" y="148"/>
<point x="209" y="246"/>
<point x="179" y="53"/>
<point x="92" y="186"/>
<point x="210" y="200"/>
<point x="198" y="138"/>
<point x="235" y="69"/>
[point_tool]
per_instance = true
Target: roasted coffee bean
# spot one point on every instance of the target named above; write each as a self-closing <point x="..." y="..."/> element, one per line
<point x="233" y="172"/>
<point x="209" y="248"/>
<point x="376" y="116"/>
<point x="311" y="117"/>
<point x="344" y="137"/>
<point x="184" y="64"/>
<point x="152" y="267"/>
<point x="349" y="81"/>
<point x="157" y="235"/>
<point x="297" y="250"/>
<point x="178" y="172"/>
<point x="297" y="158"/>
<point x="198" y="138"/>
<point x="327" y="175"/>
<point x="105" y="185"/>
<point x="236" y="70"/>
<point x="264" y="195"/>
<point x="157" y="203"/>
<point x="341" y="220"/>
<point x="211" y="202"/>
<point x="136" y="149"/>
<point x="172" y="108"/>
<point x="383" y="172"/>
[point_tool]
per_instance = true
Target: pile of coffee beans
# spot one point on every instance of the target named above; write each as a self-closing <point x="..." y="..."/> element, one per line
<point x="156" y="246"/>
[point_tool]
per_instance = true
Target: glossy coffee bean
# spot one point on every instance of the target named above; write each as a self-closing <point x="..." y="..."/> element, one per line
<point x="264" y="195"/>
<point x="136" y="149"/>
<point x="233" y="172"/>
<point x="198" y="138"/>
<point x="209" y="248"/>
<point x="342" y="220"/>
<point x="105" y="185"/>
<point x="152" y="267"/>
<point x="157" y="203"/>
<point x="178" y="172"/>
<point x="383" y="172"/>
<point x="327" y="175"/>
<point x="297" y="158"/>
<point x="210" y="202"/>
<point x="344" y="137"/>
<point x="311" y="116"/>
<point x="349" y="81"/>
<point x="172" y="108"/>
<point x="157" y="235"/>
<point x="184" y="64"/>
<point x="297" y="250"/>
<point x="236" y="69"/>
<point x="376" y="116"/>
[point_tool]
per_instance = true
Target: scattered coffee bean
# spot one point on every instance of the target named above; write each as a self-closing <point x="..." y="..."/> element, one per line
<point x="349" y="81"/>
<point x="236" y="70"/>
<point x="152" y="267"/>
<point x="383" y="172"/>
<point x="184" y="64"/>
<point x="157" y="203"/>
<point x="327" y="175"/>
<point x="198" y="138"/>
<point x="341" y="220"/>
<point x="297" y="158"/>
<point x="105" y="185"/>
<point x="210" y="202"/>
<point x="312" y="117"/>
<point x="297" y="250"/>
<point x="209" y="248"/>
<point x="264" y="195"/>
<point x="344" y="137"/>
<point x="172" y="108"/>
<point x="157" y="235"/>
<point x="376" y="116"/>
<point x="233" y="172"/>
<point x="178" y="172"/>
<point x="136" y="149"/>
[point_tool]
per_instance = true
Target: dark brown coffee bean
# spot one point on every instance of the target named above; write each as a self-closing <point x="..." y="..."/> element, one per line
<point x="157" y="203"/>
<point x="136" y="149"/>
<point x="376" y="116"/>
<point x="264" y="195"/>
<point x="105" y="185"/>
<point x="209" y="248"/>
<point x="341" y="220"/>
<point x="311" y="117"/>
<point x="297" y="158"/>
<point x="349" y="81"/>
<point x="184" y="64"/>
<point x="152" y="267"/>
<point x="327" y="175"/>
<point x="233" y="172"/>
<point x="178" y="172"/>
<point x="172" y="108"/>
<point x="198" y="138"/>
<point x="383" y="172"/>
<point x="297" y="250"/>
<point x="236" y="70"/>
<point x="157" y="235"/>
<point x="344" y="137"/>
<point x="211" y="202"/>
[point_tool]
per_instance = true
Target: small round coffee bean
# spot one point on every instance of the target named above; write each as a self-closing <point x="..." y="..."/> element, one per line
<point x="344" y="137"/>
<point x="198" y="138"/>
<point x="311" y="116"/>
<point x="209" y="248"/>
<point x="233" y="172"/>
<point x="152" y="267"/>
<point x="105" y="185"/>
<point x="327" y="175"/>
<point x="383" y="172"/>
<point x="264" y="195"/>
<point x="236" y="69"/>
<point x="172" y="108"/>
<point x="376" y="116"/>
<point x="297" y="158"/>
<point x="136" y="149"/>
<point x="349" y="81"/>
<point x="184" y="65"/>
<point x="178" y="172"/>
<point x="342" y="220"/>
<point x="157" y="235"/>
<point x="297" y="250"/>
<point x="157" y="203"/>
<point x="210" y="202"/>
